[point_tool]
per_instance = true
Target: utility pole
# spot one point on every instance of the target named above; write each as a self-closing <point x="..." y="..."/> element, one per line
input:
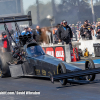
<point x="16" y="7"/>
<point x="92" y="11"/>
<point x="38" y="16"/>
<point x="53" y="8"/>
<point x="96" y="1"/>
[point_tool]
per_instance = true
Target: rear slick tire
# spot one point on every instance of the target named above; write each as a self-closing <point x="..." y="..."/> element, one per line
<point x="4" y="67"/>
<point x="62" y="69"/>
<point x="89" y="64"/>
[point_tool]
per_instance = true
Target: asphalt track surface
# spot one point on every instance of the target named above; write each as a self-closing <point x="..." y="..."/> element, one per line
<point x="49" y="91"/>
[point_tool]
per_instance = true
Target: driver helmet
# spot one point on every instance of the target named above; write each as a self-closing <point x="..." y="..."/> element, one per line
<point x="3" y="34"/>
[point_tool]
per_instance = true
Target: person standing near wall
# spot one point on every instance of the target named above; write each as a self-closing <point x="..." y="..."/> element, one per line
<point x="37" y="34"/>
<point x="64" y="33"/>
<point x="98" y="30"/>
<point x="5" y="41"/>
<point x="86" y="31"/>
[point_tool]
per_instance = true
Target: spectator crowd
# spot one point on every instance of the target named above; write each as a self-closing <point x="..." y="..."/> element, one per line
<point x="58" y="33"/>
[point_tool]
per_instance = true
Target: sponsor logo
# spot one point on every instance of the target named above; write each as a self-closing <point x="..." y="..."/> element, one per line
<point x="59" y="53"/>
<point x="50" y="51"/>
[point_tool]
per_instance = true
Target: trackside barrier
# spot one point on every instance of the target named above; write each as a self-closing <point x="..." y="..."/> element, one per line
<point x="61" y="52"/>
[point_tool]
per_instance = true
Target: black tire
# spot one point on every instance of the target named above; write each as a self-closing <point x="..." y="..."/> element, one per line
<point x="4" y="67"/>
<point x="89" y="64"/>
<point x="62" y="69"/>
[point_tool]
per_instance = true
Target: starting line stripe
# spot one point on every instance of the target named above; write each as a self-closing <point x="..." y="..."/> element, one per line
<point x="97" y="61"/>
<point x="81" y="63"/>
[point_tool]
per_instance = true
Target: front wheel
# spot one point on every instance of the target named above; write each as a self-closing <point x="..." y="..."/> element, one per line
<point x="62" y="69"/>
<point x="89" y="64"/>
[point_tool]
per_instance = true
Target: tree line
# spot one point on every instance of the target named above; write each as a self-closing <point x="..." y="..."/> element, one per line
<point x="71" y="10"/>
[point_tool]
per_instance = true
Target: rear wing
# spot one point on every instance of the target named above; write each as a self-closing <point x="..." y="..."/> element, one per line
<point x="17" y="18"/>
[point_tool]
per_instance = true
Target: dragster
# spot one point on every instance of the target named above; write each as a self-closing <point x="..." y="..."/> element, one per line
<point x="29" y="59"/>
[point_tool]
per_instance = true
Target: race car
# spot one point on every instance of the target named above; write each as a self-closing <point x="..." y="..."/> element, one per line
<point x="34" y="62"/>
<point x="29" y="59"/>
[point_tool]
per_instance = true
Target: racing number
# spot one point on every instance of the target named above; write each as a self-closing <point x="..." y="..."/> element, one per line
<point x="37" y="71"/>
<point x="51" y="73"/>
<point x="43" y="72"/>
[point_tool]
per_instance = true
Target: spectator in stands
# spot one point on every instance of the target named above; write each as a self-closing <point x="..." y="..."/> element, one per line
<point x="55" y="36"/>
<point x="37" y="34"/>
<point x="29" y="29"/>
<point x="86" y="31"/>
<point x="26" y="31"/>
<point x="98" y="30"/>
<point x="49" y="34"/>
<point x="80" y="24"/>
<point x="43" y="37"/>
<point x="70" y="25"/>
<point x="55" y="30"/>
<point x="94" y="25"/>
<point x="73" y="29"/>
<point x="74" y="32"/>
<point x="77" y="27"/>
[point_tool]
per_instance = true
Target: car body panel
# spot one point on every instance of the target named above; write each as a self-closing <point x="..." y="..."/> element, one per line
<point x="45" y="65"/>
